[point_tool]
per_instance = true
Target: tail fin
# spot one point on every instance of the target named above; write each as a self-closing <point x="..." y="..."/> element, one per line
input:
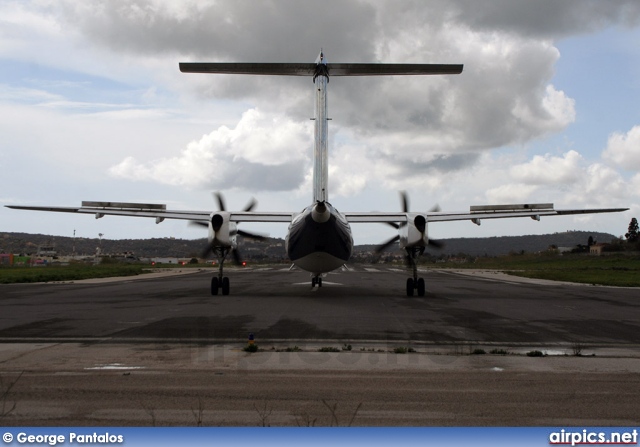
<point x="320" y="71"/>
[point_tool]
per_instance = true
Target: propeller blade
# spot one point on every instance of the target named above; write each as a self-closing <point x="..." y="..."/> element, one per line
<point x="220" y="199"/>
<point x="223" y="207"/>
<point x="198" y="223"/>
<point x="382" y="247"/>
<point x="404" y="197"/>
<point x="252" y="203"/>
<point x="236" y="257"/>
<point x="435" y="209"/>
<point x="256" y="236"/>
<point x="207" y="251"/>
<point x="436" y="244"/>
<point x="393" y="224"/>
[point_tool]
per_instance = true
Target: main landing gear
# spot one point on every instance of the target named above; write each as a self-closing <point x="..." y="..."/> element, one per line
<point x="220" y="281"/>
<point x="414" y="284"/>
<point x="316" y="280"/>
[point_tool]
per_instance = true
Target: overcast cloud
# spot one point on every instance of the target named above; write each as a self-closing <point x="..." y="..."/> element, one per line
<point x="505" y="95"/>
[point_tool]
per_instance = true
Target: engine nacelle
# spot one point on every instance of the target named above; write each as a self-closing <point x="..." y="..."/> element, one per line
<point x="222" y="232"/>
<point x="414" y="232"/>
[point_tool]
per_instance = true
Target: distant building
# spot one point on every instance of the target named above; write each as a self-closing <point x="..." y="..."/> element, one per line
<point x="596" y="249"/>
<point x="169" y="260"/>
<point x="47" y="250"/>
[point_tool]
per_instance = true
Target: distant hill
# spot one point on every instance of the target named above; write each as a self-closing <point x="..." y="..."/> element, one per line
<point x="24" y="243"/>
<point x="273" y="249"/>
<point x="502" y="245"/>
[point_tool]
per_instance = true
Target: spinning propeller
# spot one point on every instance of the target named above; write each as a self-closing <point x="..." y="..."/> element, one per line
<point x="419" y="222"/>
<point x="216" y="223"/>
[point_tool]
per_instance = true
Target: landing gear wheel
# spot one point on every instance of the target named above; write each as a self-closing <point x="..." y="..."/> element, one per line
<point x="420" y="287"/>
<point x="225" y="286"/>
<point x="409" y="286"/>
<point x="319" y="282"/>
<point x="314" y="280"/>
<point x="214" y="285"/>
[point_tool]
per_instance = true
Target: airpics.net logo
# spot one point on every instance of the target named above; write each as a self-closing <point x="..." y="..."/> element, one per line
<point x="586" y="437"/>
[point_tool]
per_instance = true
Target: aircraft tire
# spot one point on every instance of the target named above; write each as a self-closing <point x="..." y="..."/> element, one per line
<point x="409" y="286"/>
<point x="319" y="282"/>
<point x="225" y="286"/>
<point x="214" y="285"/>
<point x="420" y="287"/>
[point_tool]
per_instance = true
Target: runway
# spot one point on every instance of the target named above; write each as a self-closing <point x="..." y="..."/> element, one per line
<point x="359" y="303"/>
<point x="161" y="350"/>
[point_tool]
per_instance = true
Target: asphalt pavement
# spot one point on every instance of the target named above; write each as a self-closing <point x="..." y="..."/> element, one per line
<point x="160" y="350"/>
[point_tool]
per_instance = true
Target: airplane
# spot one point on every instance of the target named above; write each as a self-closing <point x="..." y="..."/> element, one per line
<point x="319" y="238"/>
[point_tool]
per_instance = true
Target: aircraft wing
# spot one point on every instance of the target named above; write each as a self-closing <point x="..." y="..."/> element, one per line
<point x="160" y="213"/>
<point x="477" y="213"/>
<point x="157" y="211"/>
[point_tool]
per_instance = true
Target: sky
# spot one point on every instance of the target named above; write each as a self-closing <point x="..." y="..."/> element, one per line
<point x="94" y="107"/>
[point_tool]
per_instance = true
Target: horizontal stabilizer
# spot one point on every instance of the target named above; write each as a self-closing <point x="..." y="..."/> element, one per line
<point x="308" y="69"/>
<point x="393" y="69"/>
<point x="255" y="68"/>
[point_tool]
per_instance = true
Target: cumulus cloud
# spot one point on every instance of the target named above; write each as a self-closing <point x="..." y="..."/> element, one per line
<point x="624" y="149"/>
<point x="503" y="97"/>
<point x="635" y="182"/>
<point x="568" y="179"/>
<point x="548" y="169"/>
<point x="227" y="30"/>
<point x="510" y="193"/>
<point x="261" y="152"/>
<point x="604" y="184"/>
<point x="547" y="18"/>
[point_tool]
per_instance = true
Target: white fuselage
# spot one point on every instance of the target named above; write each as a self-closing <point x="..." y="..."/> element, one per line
<point x="319" y="239"/>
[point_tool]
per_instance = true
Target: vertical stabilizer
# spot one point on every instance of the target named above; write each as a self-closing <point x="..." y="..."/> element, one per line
<point x="320" y="148"/>
<point x="320" y="72"/>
